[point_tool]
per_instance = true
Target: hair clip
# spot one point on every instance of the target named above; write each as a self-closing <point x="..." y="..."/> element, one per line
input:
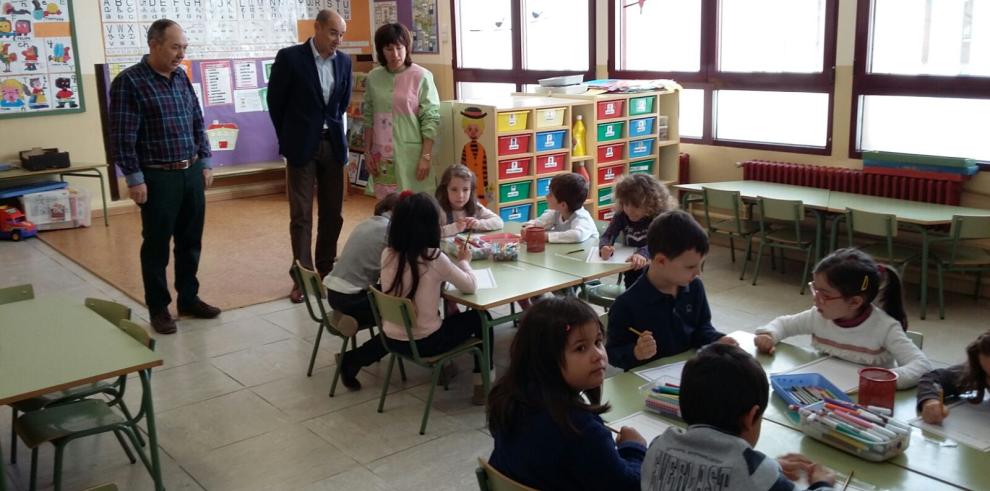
<point x="567" y="328"/>
<point x="866" y="283"/>
<point x="405" y="194"/>
<point x="881" y="268"/>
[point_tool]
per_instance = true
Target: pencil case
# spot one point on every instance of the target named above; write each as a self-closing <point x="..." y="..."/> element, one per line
<point x="801" y="389"/>
<point x="662" y="397"/>
<point x="480" y="249"/>
<point x="855" y="430"/>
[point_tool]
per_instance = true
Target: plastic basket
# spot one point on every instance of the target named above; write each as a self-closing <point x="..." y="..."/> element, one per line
<point x="782" y="385"/>
<point x="878" y="448"/>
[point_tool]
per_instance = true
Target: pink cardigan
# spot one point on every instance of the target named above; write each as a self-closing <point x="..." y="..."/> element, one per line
<point x="427" y="300"/>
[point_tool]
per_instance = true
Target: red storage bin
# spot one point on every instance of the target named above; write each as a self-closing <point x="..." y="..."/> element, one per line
<point x="608" y="174"/>
<point x="605" y="214"/>
<point x="553" y="162"/>
<point x="511" y="169"/>
<point x="611" y="109"/>
<point x="609" y="153"/>
<point x="511" y="144"/>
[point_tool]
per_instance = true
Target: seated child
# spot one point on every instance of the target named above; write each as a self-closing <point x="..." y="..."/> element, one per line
<point x="566" y="220"/>
<point x="666" y="311"/>
<point x="641" y="197"/>
<point x="456" y="195"/>
<point x="724" y="392"/>
<point x="971" y="376"/>
<point x="844" y="322"/>
<point x="544" y="413"/>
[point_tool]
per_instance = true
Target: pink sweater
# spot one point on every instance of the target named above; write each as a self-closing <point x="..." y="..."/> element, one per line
<point x="427" y="300"/>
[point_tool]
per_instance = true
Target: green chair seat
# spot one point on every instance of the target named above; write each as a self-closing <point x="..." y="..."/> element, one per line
<point x="955" y="253"/>
<point x="730" y="226"/>
<point x="901" y="254"/>
<point x="735" y="226"/>
<point x="42" y="401"/>
<point x="780" y="228"/>
<point x="965" y="256"/>
<point x="16" y="293"/>
<point x="461" y="348"/>
<point x="789" y="236"/>
<point x="58" y="422"/>
<point x="604" y="295"/>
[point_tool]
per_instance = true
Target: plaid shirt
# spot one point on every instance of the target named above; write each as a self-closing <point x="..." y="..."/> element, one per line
<point x="154" y="119"/>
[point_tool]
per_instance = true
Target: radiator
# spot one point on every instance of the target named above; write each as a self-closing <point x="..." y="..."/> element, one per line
<point x="926" y="190"/>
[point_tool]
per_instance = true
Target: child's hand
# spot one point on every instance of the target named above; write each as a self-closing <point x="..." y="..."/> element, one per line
<point x="606" y="252"/>
<point x="820" y="473"/>
<point x="933" y="411"/>
<point x="764" y="343"/>
<point x="793" y="465"/>
<point x="638" y="261"/>
<point x="628" y="434"/>
<point x="727" y="340"/>
<point x="646" y="346"/>
<point x="470" y="222"/>
<point x="463" y="254"/>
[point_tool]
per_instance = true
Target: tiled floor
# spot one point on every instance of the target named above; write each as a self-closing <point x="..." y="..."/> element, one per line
<point x="236" y="411"/>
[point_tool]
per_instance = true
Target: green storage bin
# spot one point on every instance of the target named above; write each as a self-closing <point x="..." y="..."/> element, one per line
<point x="610" y="131"/>
<point x="641" y="105"/>
<point x="514" y="191"/>
<point x="641" y="167"/>
<point x="606" y="196"/>
<point x="541" y="206"/>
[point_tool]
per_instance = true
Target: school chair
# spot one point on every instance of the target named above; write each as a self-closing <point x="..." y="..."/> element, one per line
<point x="787" y="233"/>
<point x="16" y="293"/>
<point x="957" y="253"/>
<point x="735" y="226"/>
<point x="490" y="479"/>
<point x="402" y="311"/>
<point x="597" y="292"/>
<point x="917" y="338"/>
<point x="63" y="423"/>
<point x="113" y="312"/>
<point x="882" y="226"/>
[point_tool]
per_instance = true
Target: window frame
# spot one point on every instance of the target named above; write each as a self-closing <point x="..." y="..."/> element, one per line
<point x="866" y="84"/>
<point x="710" y="79"/>
<point x="517" y="74"/>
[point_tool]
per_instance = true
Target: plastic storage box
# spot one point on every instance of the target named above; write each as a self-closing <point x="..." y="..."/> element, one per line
<point x="605" y="196"/>
<point x="514" y="191"/>
<point x="512" y="120"/>
<point x="605" y="214"/>
<point x="609" y="173"/>
<point x="549" y="140"/>
<point x="610" y="131"/>
<point x="641" y="148"/>
<point x="641" y="105"/>
<point x="518" y="213"/>
<point x="610" y="153"/>
<point x="610" y="109"/>
<point x="547" y="118"/>
<point x="641" y="167"/>
<point x="514" y="168"/>
<point x="542" y="188"/>
<point x="541" y="206"/>
<point x="512" y="144"/>
<point x="818" y="423"/>
<point x="553" y="162"/>
<point x="641" y="127"/>
<point x="784" y="383"/>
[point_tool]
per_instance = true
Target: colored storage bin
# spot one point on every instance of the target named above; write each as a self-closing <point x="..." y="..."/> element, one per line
<point x="641" y="105"/>
<point x="606" y="196"/>
<point x="641" y="127"/>
<point x="518" y="213"/>
<point x="610" y="109"/>
<point x="514" y="168"/>
<point x="609" y="153"/>
<point x="547" y="118"/>
<point x="610" y="131"/>
<point x="514" y="191"/>
<point x="641" y="167"/>
<point x="542" y="189"/>
<point x="550" y="140"/>
<point x="541" y="207"/>
<point x="641" y="148"/>
<point x="553" y="162"/>
<point x="606" y="214"/>
<point x="512" y="120"/>
<point x="609" y="173"/>
<point x="511" y="144"/>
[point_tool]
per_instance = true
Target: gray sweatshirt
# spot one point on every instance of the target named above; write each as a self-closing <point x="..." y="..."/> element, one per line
<point x="357" y="267"/>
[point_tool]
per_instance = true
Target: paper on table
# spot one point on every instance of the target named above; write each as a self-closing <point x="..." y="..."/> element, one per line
<point x="843" y="374"/>
<point x="967" y="423"/>
<point x="666" y="374"/>
<point x="648" y="426"/>
<point x="619" y="256"/>
<point x="483" y="279"/>
<point x="854" y="485"/>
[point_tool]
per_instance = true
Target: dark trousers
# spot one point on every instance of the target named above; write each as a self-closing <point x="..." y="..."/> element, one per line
<point x="453" y="331"/>
<point x="355" y="305"/>
<point x="324" y="174"/>
<point x="175" y="208"/>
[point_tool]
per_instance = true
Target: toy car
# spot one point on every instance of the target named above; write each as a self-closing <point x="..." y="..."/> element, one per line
<point x="14" y="226"/>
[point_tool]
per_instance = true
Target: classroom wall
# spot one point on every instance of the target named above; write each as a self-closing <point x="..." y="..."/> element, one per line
<point x="80" y="135"/>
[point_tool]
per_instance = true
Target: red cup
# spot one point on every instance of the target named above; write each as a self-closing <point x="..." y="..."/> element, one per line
<point x="535" y="239"/>
<point x="877" y="387"/>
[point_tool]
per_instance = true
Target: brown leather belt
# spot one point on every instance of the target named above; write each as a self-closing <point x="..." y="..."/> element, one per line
<point x="180" y="165"/>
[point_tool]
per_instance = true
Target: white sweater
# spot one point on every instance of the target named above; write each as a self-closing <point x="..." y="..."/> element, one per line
<point x="579" y="227"/>
<point x="879" y="342"/>
<point x="487" y="221"/>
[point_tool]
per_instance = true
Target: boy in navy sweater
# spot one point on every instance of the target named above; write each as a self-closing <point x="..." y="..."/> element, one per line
<point x="665" y="312"/>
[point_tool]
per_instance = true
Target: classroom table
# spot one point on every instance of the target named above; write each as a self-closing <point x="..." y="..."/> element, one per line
<point x="563" y="258"/>
<point x="54" y="343"/>
<point x="75" y="170"/>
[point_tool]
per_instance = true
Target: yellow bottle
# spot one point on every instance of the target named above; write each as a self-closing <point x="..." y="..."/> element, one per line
<point x="578" y="130"/>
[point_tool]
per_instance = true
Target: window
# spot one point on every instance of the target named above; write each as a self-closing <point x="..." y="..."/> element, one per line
<point x="743" y="85"/>
<point x="492" y="53"/>
<point x="921" y="80"/>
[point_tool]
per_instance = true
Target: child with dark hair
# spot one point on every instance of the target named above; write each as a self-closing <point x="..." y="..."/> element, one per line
<point x="971" y="376"/>
<point x="566" y="220"/>
<point x="456" y="194"/>
<point x="724" y="392"/>
<point x="844" y="322"/>
<point x="666" y="311"/>
<point x="640" y="197"/>
<point x="545" y="412"/>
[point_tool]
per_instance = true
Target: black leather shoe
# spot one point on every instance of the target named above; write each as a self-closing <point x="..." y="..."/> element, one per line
<point x="348" y="374"/>
<point x="163" y="323"/>
<point x="200" y="309"/>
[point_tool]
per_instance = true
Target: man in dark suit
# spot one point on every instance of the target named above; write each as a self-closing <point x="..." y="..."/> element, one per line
<point x="308" y="93"/>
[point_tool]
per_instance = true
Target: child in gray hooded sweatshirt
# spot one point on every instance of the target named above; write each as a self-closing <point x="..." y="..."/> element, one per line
<point x="723" y="394"/>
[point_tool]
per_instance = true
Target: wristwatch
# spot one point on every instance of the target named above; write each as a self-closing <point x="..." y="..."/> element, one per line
<point x="427" y="156"/>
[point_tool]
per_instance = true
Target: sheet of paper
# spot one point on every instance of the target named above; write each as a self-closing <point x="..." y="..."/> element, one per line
<point x="666" y="374"/>
<point x="648" y="426"/>
<point x="483" y="278"/>
<point x="854" y="484"/>
<point x="843" y="374"/>
<point x="248" y="100"/>
<point x="619" y="256"/>
<point x="967" y="423"/>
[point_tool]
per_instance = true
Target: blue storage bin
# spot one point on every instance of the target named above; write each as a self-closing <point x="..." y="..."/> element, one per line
<point x="641" y="148"/>
<point x="549" y="140"/>
<point x="518" y="213"/>
<point x="641" y="127"/>
<point x="783" y="383"/>
<point x="543" y="187"/>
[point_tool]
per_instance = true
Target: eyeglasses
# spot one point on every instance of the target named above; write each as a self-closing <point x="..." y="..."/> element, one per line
<point x="820" y="294"/>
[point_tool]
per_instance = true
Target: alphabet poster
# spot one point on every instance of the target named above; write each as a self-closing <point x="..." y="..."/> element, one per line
<point x="38" y="70"/>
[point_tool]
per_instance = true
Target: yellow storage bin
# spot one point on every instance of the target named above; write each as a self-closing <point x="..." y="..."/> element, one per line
<point x="512" y="120"/>
<point x="546" y="118"/>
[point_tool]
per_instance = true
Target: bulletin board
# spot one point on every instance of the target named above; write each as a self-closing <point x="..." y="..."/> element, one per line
<point x="420" y="16"/>
<point x="38" y="70"/>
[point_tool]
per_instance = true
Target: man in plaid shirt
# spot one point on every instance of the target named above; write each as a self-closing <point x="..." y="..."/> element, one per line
<point x="159" y="144"/>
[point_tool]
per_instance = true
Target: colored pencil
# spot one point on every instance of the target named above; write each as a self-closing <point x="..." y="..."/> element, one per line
<point x="849" y="479"/>
<point x="572" y="252"/>
<point x="638" y="333"/>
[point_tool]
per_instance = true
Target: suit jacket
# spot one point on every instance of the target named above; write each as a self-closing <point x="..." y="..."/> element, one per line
<point x="295" y="104"/>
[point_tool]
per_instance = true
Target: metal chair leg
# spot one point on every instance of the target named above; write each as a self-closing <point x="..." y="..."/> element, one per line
<point x="402" y="370"/>
<point x="13" y="436"/>
<point x="33" y="483"/>
<point x="804" y="274"/>
<point x="749" y="246"/>
<point x="316" y="348"/>
<point x="123" y="445"/>
<point x="57" y="477"/>
<point x="388" y="377"/>
<point x="336" y="371"/>
<point x="732" y="249"/>
<point x="941" y="294"/>
<point x="429" y="399"/>
<point x="127" y="414"/>
<point x="759" y="257"/>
